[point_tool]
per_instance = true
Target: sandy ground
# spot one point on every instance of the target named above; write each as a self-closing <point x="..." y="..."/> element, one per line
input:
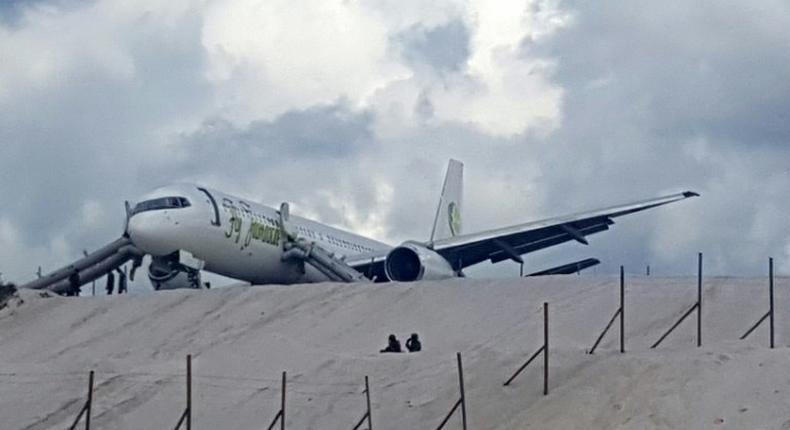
<point x="327" y="337"/>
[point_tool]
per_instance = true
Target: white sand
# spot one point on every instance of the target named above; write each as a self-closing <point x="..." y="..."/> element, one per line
<point x="327" y="337"/>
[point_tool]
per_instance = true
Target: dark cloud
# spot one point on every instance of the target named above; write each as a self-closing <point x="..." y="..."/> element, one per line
<point x="332" y="131"/>
<point x="712" y="67"/>
<point x="445" y="48"/>
<point x="664" y="96"/>
<point x="11" y="11"/>
<point x="81" y="137"/>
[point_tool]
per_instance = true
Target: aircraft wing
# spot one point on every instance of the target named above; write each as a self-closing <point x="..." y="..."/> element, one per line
<point x="511" y="242"/>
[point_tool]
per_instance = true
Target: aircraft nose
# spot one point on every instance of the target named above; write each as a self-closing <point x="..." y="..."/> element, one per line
<point x="151" y="232"/>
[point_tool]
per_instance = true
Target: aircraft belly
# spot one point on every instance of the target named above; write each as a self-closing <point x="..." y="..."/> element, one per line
<point x="257" y="263"/>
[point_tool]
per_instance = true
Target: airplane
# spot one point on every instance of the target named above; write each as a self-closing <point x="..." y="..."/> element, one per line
<point x="187" y="228"/>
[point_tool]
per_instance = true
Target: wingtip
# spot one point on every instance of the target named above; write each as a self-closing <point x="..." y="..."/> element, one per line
<point x="688" y="194"/>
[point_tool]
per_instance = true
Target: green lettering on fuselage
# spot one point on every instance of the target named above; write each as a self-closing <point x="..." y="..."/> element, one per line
<point x="263" y="233"/>
<point x="257" y="231"/>
<point x="235" y="223"/>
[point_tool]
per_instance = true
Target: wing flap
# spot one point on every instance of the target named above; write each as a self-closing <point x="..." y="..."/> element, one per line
<point x="551" y="239"/>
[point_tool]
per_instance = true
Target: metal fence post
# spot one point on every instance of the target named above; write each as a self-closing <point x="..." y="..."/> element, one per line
<point x="90" y="402"/>
<point x="367" y="399"/>
<point x="542" y="350"/>
<point x="189" y="392"/>
<point x="545" y="348"/>
<point x="771" y="296"/>
<point x="622" y="308"/>
<point x="282" y="405"/>
<point x="770" y="314"/>
<point x="699" y="299"/>
<point x="86" y="408"/>
<point x="186" y="416"/>
<point x="618" y="313"/>
<point x="463" y="393"/>
<point x="367" y="416"/>
<point x="696" y="307"/>
<point x="281" y="413"/>
<point x="461" y="401"/>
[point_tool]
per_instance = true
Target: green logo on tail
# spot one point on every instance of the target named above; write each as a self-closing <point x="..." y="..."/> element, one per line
<point x="454" y="218"/>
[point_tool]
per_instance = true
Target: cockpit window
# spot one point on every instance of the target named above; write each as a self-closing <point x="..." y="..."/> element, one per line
<point x="161" y="203"/>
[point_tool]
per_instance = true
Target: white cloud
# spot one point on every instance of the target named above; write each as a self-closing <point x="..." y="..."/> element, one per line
<point x="506" y="98"/>
<point x="508" y="93"/>
<point x="268" y="57"/>
<point x="369" y="220"/>
<point x="321" y="51"/>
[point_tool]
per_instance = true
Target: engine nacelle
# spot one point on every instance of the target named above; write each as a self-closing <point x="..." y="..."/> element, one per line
<point x="412" y="261"/>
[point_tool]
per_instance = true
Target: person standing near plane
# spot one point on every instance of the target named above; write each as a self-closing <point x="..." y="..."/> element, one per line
<point x="110" y="283"/>
<point x="74" y="284"/>
<point x="121" y="282"/>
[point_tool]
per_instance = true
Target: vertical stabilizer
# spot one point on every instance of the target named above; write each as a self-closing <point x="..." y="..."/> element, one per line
<point x="448" y="215"/>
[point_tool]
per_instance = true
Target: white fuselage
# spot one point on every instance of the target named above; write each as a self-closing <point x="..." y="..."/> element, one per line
<point x="235" y="237"/>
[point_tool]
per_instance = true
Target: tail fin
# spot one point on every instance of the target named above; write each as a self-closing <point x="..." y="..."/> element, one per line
<point x="448" y="215"/>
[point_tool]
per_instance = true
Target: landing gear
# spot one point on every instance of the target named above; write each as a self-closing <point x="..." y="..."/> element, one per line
<point x="167" y="273"/>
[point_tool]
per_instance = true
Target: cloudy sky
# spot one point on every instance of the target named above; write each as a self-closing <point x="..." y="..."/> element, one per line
<point x="350" y="109"/>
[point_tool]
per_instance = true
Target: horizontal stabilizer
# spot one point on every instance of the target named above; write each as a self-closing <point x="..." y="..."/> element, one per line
<point x="570" y="268"/>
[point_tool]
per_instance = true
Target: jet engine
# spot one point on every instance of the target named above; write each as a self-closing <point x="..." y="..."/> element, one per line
<point x="412" y="261"/>
<point x="167" y="273"/>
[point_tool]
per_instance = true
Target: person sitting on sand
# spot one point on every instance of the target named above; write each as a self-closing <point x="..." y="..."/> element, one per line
<point x="393" y="345"/>
<point x="413" y="343"/>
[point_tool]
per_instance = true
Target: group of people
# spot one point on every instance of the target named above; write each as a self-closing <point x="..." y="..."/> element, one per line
<point x="75" y="284"/>
<point x="413" y="344"/>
